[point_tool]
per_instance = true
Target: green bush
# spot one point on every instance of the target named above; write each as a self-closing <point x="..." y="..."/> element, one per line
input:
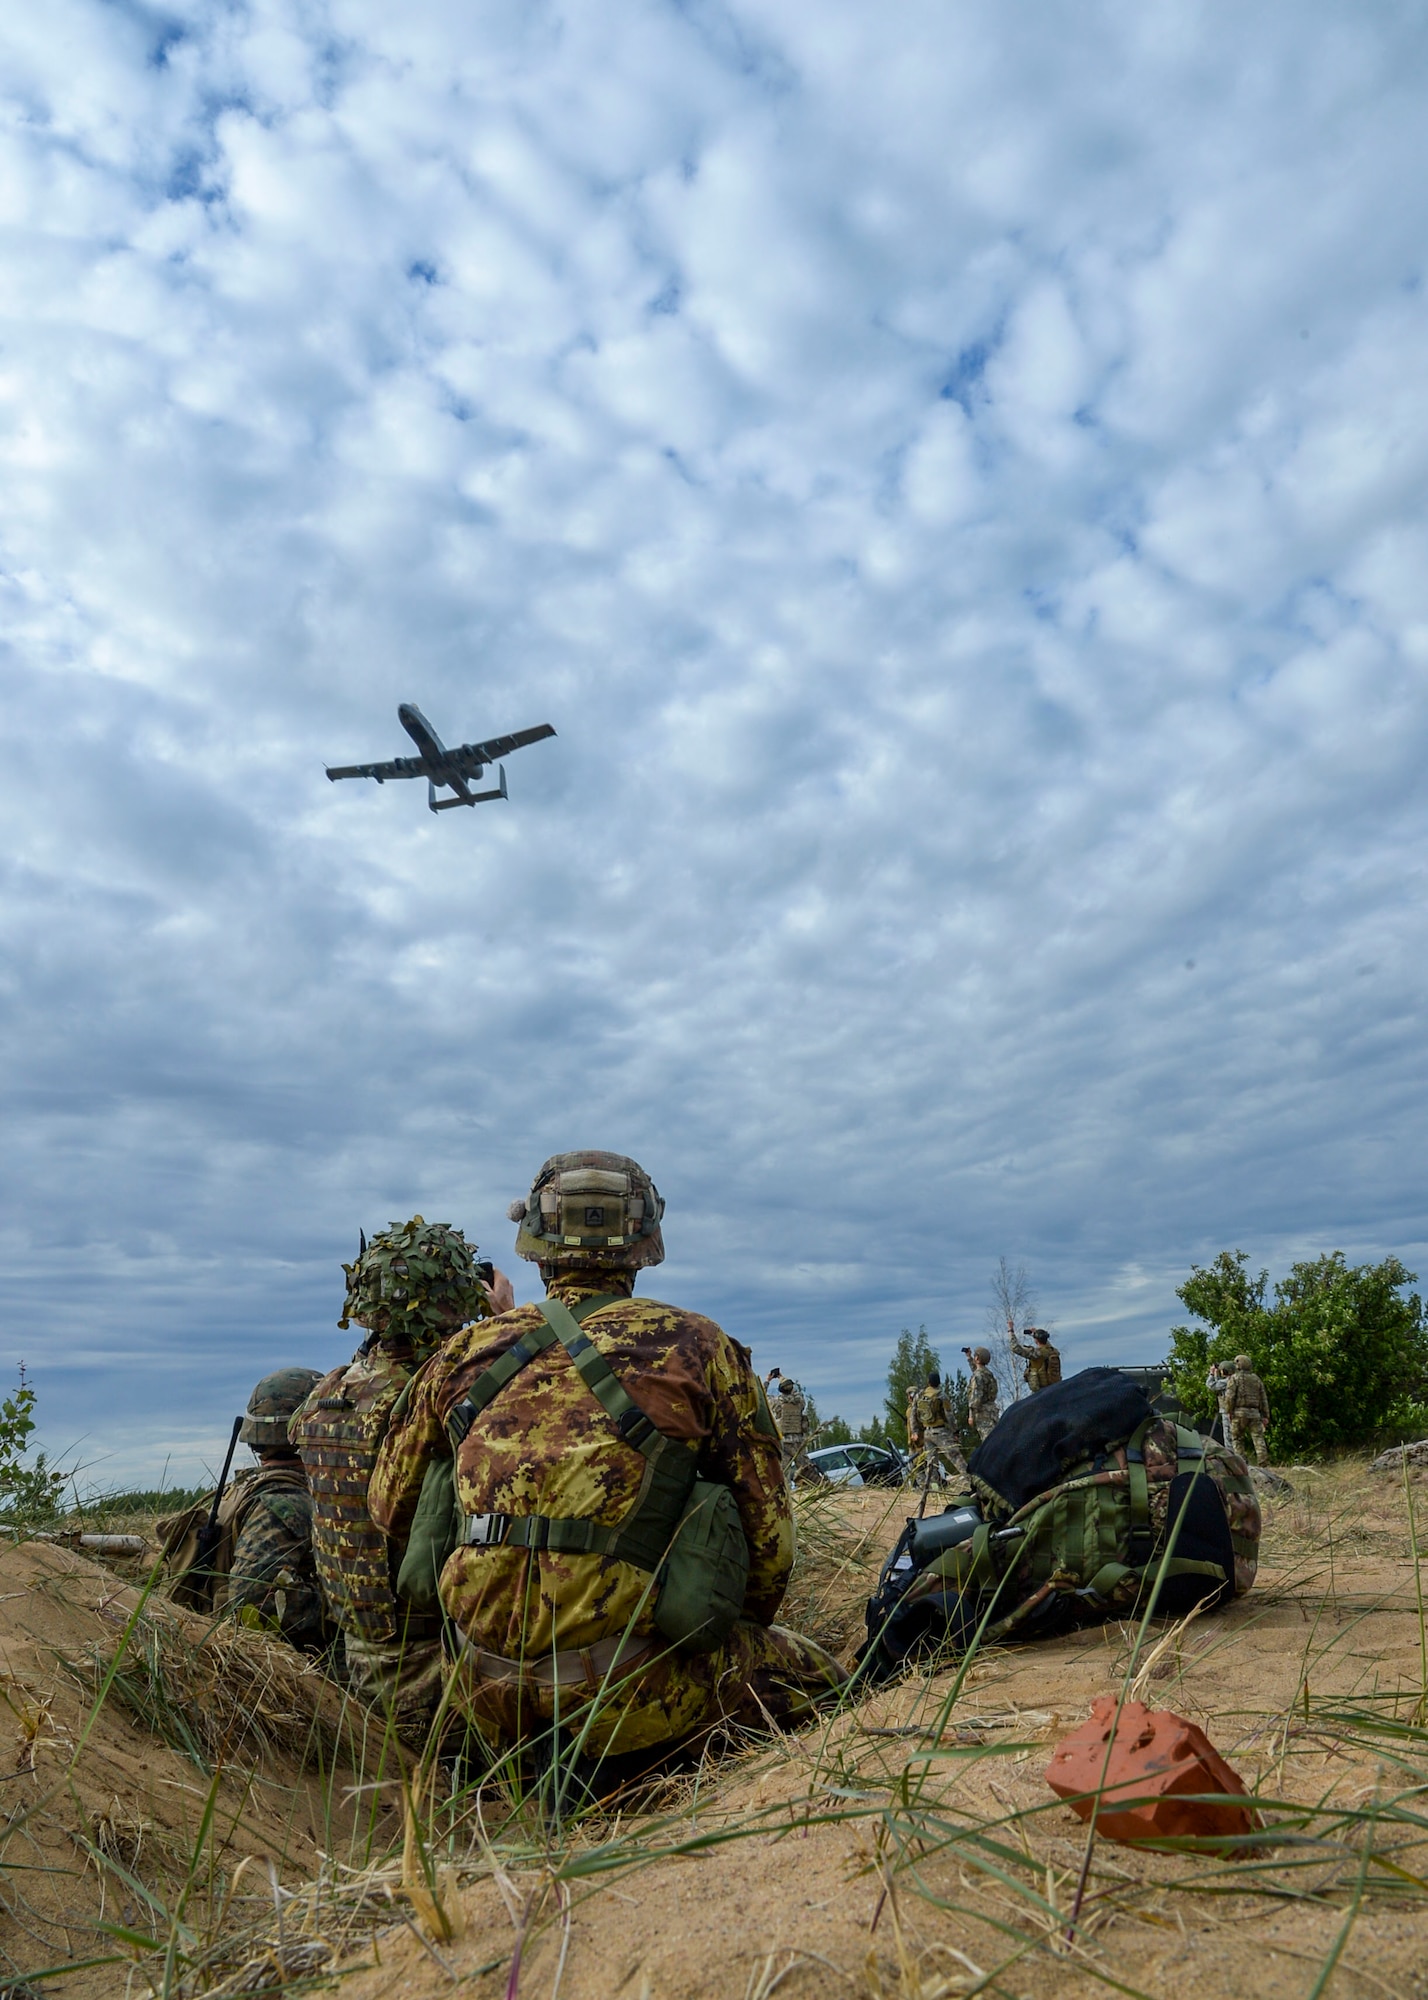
<point x="1343" y="1356"/>
<point x="27" y="1492"/>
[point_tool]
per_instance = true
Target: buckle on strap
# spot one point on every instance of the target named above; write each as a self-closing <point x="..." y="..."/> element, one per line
<point x="486" y="1531"/>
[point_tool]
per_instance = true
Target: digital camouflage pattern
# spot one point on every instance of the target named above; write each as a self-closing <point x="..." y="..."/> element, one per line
<point x="267" y="1504"/>
<point x="545" y="1446"/>
<point x="1043" y="1363"/>
<point x="272" y="1584"/>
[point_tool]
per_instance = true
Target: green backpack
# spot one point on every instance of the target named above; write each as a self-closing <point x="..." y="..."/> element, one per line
<point x="685" y="1530"/>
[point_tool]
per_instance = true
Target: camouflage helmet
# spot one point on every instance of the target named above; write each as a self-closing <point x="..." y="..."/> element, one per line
<point x="982" y="1356"/>
<point x="1242" y="1361"/>
<point x="265" y="1426"/>
<point x="416" y="1278"/>
<point x="590" y="1208"/>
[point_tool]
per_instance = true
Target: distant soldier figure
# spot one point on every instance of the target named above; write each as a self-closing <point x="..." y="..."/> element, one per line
<point x="983" y="1395"/>
<point x="1218" y="1382"/>
<point x="261" y="1569"/>
<point x="914" y="1431"/>
<point x="1247" y="1407"/>
<point x="790" y="1413"/>
<point x="939" y="1437"/>
<point x="411" y="1286"/>
<point x="1043" y="1361"/>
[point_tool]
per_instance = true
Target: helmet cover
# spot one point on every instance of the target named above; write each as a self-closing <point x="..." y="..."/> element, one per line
<point x="591" y="1208"/>
<point x="1242" y="1361"/>
<point x="416" y="1279"/>
<point x="265" y="1426"/>
<point x="982" y="1356"/>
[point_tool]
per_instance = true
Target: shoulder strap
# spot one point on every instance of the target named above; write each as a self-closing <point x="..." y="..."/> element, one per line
<point x="485" y="1389"/>
<point x="643" y="1537"/>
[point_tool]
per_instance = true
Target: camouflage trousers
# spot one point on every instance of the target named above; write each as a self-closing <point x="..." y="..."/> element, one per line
<point x="942" y="1453"/>
<point x="1244" y="1428"/>
<point x="984" y="1420"/>
<point x="792" y="1453"/>
<point x="401" y="1680"/>
<point x="637" y="1695"/>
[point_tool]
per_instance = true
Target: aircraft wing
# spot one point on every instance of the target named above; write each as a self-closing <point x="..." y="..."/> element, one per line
<point x="395" y="767"/>
<point x="472" y="758"/>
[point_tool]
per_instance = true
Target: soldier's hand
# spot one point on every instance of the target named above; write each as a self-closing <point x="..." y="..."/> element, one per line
<point x="501" y="1293"/>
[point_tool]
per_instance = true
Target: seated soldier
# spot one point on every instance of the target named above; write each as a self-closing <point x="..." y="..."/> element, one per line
<point x="260" y="1568"/>
<point x="577" y="1446"/>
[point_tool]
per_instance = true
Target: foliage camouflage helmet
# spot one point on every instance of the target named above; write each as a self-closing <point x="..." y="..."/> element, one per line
<point x="265" y="1427"/>
<point x="591" y="1208"/>
<point x="416" y="1278"/>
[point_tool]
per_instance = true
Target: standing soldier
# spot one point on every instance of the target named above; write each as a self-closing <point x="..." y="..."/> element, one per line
<point x="1218" y="1382"/>
<point x="410" y="1287"/>
<point x="626" y="1530"/>
<point x="790" y="1413"/>
<point x="261" y="1567"/>
<point x="914" y="1430"/>
<point x="1247" y="1407"/>
<point x="1043" y="1361"/>
<point x="983" y="1405"/>
<point x="939" y="1436"/>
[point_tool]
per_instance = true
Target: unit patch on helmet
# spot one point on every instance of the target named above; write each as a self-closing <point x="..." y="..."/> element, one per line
<point x="591" y="1207"/>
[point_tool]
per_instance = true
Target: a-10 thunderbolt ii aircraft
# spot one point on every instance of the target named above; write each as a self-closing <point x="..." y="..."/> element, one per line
<point x="443" y="767"/>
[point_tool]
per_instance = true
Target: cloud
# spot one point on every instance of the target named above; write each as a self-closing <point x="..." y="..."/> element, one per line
<point x="956" y="493"/>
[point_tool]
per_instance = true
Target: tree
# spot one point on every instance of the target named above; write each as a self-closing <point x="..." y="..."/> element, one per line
<point x="1343" y="1357"/>
<point x="836" y="1431"/>
<point x="27" y="1492"/>
<point x="914" y="1359"/>
<point x="1012" y="1311"/>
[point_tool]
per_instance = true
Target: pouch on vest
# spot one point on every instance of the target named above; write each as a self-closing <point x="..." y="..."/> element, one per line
<point x="436" y="1531"/>
<point x="705" y="1573"/>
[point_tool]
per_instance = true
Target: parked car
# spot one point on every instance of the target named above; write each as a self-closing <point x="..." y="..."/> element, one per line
<point x="860" y="1464"/>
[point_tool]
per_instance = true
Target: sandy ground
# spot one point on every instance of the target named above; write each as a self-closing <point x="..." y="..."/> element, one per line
<point x="100" y="1819"/>
<point x="910" y="1847"/>
<point x="813" y="1908"/>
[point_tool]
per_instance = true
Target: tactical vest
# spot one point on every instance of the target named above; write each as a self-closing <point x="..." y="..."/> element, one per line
<point x="338" y="1431"/>
<point x="178" y="1534"/>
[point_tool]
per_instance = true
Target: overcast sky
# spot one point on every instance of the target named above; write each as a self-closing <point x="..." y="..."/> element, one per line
<point x="954" y="478"/>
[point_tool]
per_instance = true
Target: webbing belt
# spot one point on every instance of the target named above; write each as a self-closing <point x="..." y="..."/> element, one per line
<point x="643" y="1537"/>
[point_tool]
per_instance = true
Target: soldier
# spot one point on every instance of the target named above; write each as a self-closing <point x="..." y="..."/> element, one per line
<point x="1043" y="1361"/>
<point x="790" y="1413"/>
<point x="1218" y="1382"/>
<point x="410" y="1287"/>
<point x="574" y="1444"/>
<point x="983" y="1395"/>
<point x="1247" y="1408"/>
<point x="261" y="1569"/>
<point x="937" y="1431"/>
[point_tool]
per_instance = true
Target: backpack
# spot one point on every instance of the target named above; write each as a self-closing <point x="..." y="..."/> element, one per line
<point x="683" y="1529"/>
<point x="1084" y="1500"/>
<point x="203" y="1585"/>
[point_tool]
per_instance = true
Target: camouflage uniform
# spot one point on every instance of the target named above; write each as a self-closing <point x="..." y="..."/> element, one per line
<point x="261" y="1568"/>
<point x="935" y="1428"/>
<point x="410" y="1285"/>
<point x="543" y="1630"/>
<point x="983" y="1399"/>
<point x="272" y="1585"/>
<point x="1246" y="1407"/>
<point x="790" y="1413"/>
<point x="1043" y="1363"/>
